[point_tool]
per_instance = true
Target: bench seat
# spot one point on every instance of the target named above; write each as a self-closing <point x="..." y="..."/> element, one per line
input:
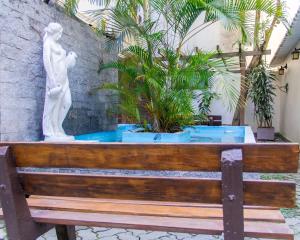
<point x="150" y="215"/>
<point x="63" y="200"/>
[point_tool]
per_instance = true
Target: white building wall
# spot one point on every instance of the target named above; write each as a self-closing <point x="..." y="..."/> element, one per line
<point x="207" y="40"/>
<point x="289" y="107"/>
<point x="275" y="41"/>
<point x="286" y="106"/>
<point x="280" y="31"/>
<point x="215" y="35"/>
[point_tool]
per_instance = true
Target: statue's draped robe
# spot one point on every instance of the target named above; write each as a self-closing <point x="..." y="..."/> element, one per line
<point x="55" y="60"/>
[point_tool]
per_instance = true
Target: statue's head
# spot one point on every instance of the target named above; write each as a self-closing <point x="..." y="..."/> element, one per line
<point x="53" y="30"/>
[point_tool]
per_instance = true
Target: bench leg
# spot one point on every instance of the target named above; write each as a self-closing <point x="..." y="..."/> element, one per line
<point x="17" y="217"/>
<point x="232" y="194"/>
<point x="64" y="232"/>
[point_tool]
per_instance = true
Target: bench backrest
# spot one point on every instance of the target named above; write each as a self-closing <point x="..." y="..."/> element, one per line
<point x="263" y="158"/>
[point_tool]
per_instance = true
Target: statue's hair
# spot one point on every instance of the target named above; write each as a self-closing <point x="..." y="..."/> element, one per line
<point x="52" y="28"/>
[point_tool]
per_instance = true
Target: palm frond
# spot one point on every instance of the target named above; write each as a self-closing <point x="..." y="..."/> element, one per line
<point x="71" y="7"/>
<point x="157" y="83"/>
<point x="122" y="67"/>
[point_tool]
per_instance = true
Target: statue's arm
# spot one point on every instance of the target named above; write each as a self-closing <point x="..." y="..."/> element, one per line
<point x="48" y="65"/>
<point x="71" y="59"/>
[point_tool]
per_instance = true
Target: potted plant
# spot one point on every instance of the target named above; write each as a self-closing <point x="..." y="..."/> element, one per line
<point x="161" y="76"/>
<point x="262" y="93"/>
<point x="161" y="83"/>
<point x="158" y="85"/>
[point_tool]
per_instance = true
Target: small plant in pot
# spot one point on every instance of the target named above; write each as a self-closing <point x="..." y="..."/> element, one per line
<point x="262" y="93"/>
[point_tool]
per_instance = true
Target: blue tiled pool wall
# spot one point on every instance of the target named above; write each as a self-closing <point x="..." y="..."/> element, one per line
<point x="214" y="134"/>
<point x="180" y="137"/>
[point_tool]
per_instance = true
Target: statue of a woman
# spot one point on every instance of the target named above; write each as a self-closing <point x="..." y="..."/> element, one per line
<point x="58" y="96"/>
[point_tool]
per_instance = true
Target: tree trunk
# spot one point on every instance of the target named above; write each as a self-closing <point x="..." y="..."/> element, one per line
<point x="146" y="9"/>
<point x="239" y="113"/>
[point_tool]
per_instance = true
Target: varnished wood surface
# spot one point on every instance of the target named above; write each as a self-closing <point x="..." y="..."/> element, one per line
<point x="134" y="202"/>
<point x="72" y="215"/>
<point x="112" y="206"/>
<point x="169" y="215"/>
<point x="260" y="157"/>
<point x="64" y="232"/>
<point x="262" y="193"/>
<point x="18" y="221"/>
<point x="198" y="226"/>
<point x="232" y="194"/>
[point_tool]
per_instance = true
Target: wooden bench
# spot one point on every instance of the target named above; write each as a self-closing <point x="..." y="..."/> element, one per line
<point x="34" y="202"/>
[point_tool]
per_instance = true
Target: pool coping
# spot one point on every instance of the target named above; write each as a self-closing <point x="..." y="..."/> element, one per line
<point x="249" y="135"/>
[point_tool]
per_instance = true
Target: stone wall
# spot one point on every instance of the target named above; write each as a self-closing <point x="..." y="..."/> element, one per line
<point x="22" y="76"/>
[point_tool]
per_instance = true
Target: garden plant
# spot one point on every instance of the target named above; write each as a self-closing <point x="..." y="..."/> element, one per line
<point x="160" y="81"/>
<point x="262" y="93"/>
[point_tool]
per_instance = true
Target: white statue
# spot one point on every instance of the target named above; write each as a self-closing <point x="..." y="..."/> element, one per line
<point x="58" y="96"/>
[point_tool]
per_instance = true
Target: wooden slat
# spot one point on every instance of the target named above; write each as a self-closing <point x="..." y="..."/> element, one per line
<point x="263" y="193"/>
<point x="18" y="220"/>
<point x="197" y="226"/>
<point x="184" y="157"/>
<point x="243" y="53"/>
<point x="140" y="208"/>
<point x="232" y="194"/>
<point x="120" y="201"/>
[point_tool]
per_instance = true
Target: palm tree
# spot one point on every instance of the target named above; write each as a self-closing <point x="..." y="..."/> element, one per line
<point x="262" y="27"/>
<point x="160" y="82"/>
<point x="242" y="15"/>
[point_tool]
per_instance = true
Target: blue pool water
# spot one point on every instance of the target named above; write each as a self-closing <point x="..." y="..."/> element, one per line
<point x="213" y="134"/>
<point x="108" y="136"/>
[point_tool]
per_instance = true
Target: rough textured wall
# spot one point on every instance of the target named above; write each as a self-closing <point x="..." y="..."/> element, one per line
<point x="22" y="76"/>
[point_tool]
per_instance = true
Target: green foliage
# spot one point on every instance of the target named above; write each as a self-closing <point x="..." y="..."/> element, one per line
<point x="279" y="177"/>
<point x="262" y="93"/>
<point x="234" y="14"/>
<point x="206" y="98"/>
<point x="159" y="84"/>
<point x="71" y="6"/>
<point x="159" y="91"/>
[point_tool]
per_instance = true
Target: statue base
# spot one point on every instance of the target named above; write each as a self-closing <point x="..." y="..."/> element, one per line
<point x="65" y="138"/>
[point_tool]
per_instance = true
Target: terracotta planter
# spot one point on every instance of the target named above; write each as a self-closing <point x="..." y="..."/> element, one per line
<point x="266" y="134"/>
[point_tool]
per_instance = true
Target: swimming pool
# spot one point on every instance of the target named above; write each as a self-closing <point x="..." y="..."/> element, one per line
<point x="216" y="134"/>
<point x="213" y="134"/>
